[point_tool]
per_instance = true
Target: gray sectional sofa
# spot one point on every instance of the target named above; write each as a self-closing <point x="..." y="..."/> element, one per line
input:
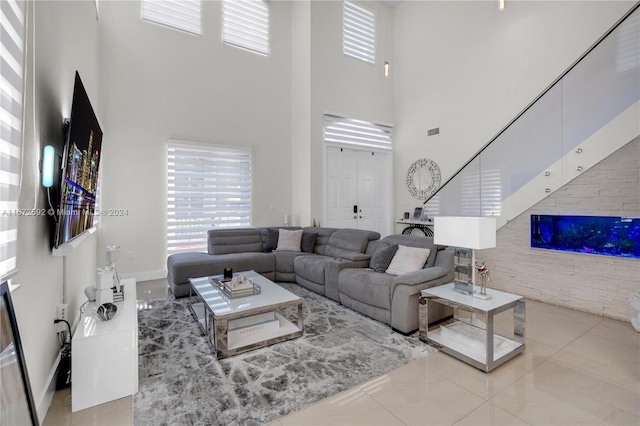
<point x="336" y="266"/>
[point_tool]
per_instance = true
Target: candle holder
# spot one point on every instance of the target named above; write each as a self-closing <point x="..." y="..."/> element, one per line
<point x="228" y="273"/>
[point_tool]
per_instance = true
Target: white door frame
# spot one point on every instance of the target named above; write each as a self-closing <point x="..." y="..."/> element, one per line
<point x="325" y="183"/>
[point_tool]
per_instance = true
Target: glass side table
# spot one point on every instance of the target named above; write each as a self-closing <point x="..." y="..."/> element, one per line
<point x="468" y="338"/>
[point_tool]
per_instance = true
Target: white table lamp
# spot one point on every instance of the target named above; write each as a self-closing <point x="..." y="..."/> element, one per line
<point x="474" y="233"/>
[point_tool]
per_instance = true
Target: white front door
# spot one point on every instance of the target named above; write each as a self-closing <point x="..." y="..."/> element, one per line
<point x="359" y="189"/>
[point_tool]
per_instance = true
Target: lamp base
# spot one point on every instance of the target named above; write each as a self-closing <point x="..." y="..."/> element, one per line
<point x="463" y="287"/>
<point x="482" y="296"/>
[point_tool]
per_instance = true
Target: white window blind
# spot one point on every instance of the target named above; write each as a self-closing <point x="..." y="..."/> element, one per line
<point x="12" y="23"/>
<point x="208" y="187"/>
<point x="183" y="15"/>
<point x="245" y="23"/>
<point x="359" y="32"/>
<point x="351" y="132"/>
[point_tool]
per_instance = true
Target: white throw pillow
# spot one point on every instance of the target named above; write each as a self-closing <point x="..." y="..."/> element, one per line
<point x="289" y="240"/>
<point x="408" y="259"/>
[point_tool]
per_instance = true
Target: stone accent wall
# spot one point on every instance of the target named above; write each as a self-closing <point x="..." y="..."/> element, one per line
<point x="599" y="285"/>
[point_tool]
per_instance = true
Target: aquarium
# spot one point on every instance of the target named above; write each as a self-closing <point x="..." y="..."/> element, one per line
<point x="599" y="235"/>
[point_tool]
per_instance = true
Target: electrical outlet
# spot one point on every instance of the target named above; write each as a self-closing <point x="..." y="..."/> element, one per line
<point x="62" y="311"/>
<point x="130" y="255"/>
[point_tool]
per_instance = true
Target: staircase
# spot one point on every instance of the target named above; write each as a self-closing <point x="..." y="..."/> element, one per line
<point x="589" y="112"/>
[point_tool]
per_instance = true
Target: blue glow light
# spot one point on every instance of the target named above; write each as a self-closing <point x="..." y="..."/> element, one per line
<point x="47" y="166"/>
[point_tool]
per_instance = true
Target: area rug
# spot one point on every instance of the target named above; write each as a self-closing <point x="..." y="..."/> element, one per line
<point x="182" y="383"/>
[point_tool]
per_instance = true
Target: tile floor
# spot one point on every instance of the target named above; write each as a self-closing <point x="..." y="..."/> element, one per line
<point x="577" y="369"/>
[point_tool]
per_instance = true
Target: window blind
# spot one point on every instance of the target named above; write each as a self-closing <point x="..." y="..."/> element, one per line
<point x="207" y="187"/>
<point x="183" y="15"/>
<point x="245" y="23"/>
<point x="12" y="43"/>
<point x="360" y="133"/>
<point x="359" y="32"/>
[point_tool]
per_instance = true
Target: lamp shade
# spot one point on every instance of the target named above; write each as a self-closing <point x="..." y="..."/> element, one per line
<point x="468" y="232"/>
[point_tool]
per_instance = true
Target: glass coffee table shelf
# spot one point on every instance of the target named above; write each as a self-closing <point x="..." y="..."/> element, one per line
<point x="468" y="338"/>
<point x="214" y="311"/>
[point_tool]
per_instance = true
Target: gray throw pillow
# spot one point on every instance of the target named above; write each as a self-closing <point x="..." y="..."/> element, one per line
<point x="272" y="239"/>
<point x="382" y="257"/>
<point x="308" y="241"/>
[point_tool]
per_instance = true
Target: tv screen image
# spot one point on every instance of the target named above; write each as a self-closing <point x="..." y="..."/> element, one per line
<point x="80" y="163"/>
<point x="601" y="235"/>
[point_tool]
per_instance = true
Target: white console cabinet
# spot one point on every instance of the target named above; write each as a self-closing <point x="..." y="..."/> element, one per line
<point x="104" y="354"/>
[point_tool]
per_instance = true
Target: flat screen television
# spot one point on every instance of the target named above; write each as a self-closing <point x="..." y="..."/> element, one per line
<point x="80" y="166"/>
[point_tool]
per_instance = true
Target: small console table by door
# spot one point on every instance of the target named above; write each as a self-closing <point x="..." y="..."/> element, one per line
<point x="425" y="227"/>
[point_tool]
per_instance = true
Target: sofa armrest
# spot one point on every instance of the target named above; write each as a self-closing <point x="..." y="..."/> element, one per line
<point x="416" y="278"/>
<point x="405" y="292"/>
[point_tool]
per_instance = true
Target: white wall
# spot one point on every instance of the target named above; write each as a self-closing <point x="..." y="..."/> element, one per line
<point x="66" y="40"/>
<point x="301" y="189"/>
<point x="342" y="84"/>
<point x="600" y="285"/>
<point x="468" y="68"/>
<point x="158" y="83"/>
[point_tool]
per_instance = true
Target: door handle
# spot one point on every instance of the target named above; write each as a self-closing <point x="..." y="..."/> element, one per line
<point x="355" y="208"/>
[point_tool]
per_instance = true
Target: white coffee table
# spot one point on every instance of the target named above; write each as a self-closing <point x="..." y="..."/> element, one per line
<point x="469" y="339"/>
<point x="213" y="310"/>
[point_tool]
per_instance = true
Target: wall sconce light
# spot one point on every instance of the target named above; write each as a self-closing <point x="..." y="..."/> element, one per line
<point x="386" y="68"/>
<point x="48" y="156"/>
<point x="502" y="4"/>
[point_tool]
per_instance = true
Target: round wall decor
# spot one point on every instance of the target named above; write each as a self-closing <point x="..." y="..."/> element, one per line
<point x="423" y="178"/>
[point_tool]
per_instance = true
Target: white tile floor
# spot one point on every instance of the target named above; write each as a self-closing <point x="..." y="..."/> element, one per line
<point x="577" y="369"/>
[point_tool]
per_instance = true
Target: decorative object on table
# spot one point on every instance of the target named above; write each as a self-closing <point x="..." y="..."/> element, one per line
<point x="227" y="273"/>
<point x="407" y="215"/>
<point x="240" y="283"/>
<point x="107" y="311"/>
<point x="104" y="285"/>
<point x="482" y="269"/>
<point x="465" y="234"/>
<point x="113" y="255"/>
<point x="423" y="178"/>
<point x="635" y="304"/>
<point x="243" y="286"/>
<point x="417" y="214"/>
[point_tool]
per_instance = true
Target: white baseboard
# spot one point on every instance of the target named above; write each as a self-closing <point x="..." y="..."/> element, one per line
<point x="49" y="389"/>
<point x="146" y="275"/>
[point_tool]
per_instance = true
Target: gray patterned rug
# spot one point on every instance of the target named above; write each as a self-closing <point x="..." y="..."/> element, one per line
<point x="182" y="383"/>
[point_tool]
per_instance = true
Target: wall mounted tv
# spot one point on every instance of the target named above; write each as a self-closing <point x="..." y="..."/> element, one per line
<point x="80" y="165"/>
<point x="602" y="235"/>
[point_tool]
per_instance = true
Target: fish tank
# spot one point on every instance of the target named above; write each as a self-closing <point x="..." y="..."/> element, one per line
<point x="599" y="235"/>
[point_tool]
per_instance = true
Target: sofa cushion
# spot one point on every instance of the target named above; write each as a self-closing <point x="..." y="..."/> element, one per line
<point x="308" y="241"/>
<point x="366" y="286"/>
<point x="408" y="259"/>
<point x="182" y="266"/>
<point x="381" y="259"/>
<point x="311" y="267"/>
<point x="323" y="237"/>
<point x="236" y="240"/>
<point x="271" y="242"/>
<point x="416" y="241"/>
<point x="289" y="240"/>
<point x="349" y="240"/>
<point x="284" y="260"/>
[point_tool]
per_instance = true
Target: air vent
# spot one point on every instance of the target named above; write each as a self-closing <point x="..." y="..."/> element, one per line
<point x="433" y="132"/>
